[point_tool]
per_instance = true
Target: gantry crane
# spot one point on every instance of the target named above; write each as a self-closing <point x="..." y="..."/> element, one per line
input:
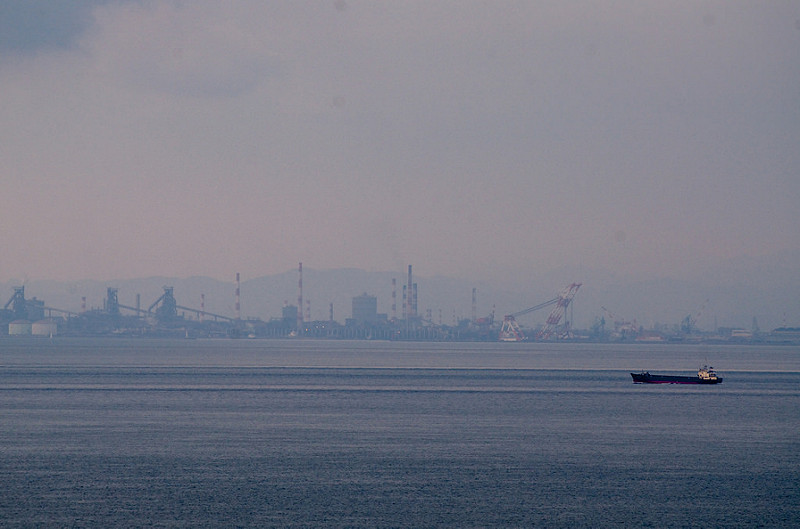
<point x="510" y="330"/>
<point x="560" y="311"/>
<point x="689" y="324"/>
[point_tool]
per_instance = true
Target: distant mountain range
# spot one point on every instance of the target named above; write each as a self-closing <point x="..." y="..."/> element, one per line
<point x="730" y="298"/>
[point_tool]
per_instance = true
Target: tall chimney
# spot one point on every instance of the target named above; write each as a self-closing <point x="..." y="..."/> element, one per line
<point x="238" y="306"/>
<point x="414" y="304"/>
<point x="394" y="299"/>
<point x="300" y="298"/>
<point x="409" y="296"/>
<point x="474" y="305"/>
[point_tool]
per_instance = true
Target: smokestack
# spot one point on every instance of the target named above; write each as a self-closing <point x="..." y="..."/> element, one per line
<point x="410" y="292"/>
<point x="238" y="306"/>
<point x="409" y="296"/>
<point x="331" y="315"/>
<point x="474" y="305"/>
<point x="83" y="304"/>
<point x="202" y="314"/>
<point x="138" y="304"/>
<point x="300" y="298"/>
<point x="394" y="299"/>
<point x="414" y="302"/>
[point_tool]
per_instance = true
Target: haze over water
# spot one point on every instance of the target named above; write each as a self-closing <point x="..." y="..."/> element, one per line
<point x="103" y="433"/>
<point x="622" y="140"/>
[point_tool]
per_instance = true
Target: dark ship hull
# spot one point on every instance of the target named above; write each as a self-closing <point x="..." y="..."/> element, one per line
<point x="647" y="378"/>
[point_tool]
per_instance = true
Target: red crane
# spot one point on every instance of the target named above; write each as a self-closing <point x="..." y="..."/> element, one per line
<point x="564" y="299"/>
<point x="510" y="330"/>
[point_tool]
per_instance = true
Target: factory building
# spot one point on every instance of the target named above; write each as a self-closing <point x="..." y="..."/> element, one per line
<point x="289" y="316"/>
<point x="365" y="309"/>
<point x="20" y="328"/>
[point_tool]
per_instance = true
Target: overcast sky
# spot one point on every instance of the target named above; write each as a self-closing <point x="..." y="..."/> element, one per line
<point x="471" y="139"/>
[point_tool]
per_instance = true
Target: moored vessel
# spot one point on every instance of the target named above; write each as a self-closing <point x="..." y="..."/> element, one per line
<point x="705" y="375"/>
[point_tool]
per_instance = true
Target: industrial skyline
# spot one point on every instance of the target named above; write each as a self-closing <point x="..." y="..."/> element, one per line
<point x="445" y="302"/>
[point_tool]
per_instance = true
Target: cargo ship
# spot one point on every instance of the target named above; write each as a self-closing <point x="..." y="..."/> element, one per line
<point x="705" y="375"/>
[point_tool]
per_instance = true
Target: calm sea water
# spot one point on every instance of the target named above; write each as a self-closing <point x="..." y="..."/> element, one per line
<point x="135" y="433"/>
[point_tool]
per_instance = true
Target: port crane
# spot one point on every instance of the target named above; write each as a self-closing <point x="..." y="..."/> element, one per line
<point x="560" y="311"/>
<point x="689" y="324"/>
<point x="510" y="330"/>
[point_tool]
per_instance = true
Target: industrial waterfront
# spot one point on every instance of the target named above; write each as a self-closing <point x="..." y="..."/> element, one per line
<point x="168" y="315"/>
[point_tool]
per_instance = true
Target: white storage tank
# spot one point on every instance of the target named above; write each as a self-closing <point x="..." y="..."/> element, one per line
<point x="46" y="327"/>
<point x="19" y="328"/>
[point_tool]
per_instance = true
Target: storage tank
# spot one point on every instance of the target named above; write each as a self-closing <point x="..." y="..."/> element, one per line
<point x="46" y="327"/>
<point x="19" y="328"/>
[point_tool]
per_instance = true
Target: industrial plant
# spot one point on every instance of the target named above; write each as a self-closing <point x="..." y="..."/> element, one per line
<point x="165" y="317"/>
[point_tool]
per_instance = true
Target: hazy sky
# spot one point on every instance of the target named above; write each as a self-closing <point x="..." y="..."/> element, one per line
<point x="473" y="139"/>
